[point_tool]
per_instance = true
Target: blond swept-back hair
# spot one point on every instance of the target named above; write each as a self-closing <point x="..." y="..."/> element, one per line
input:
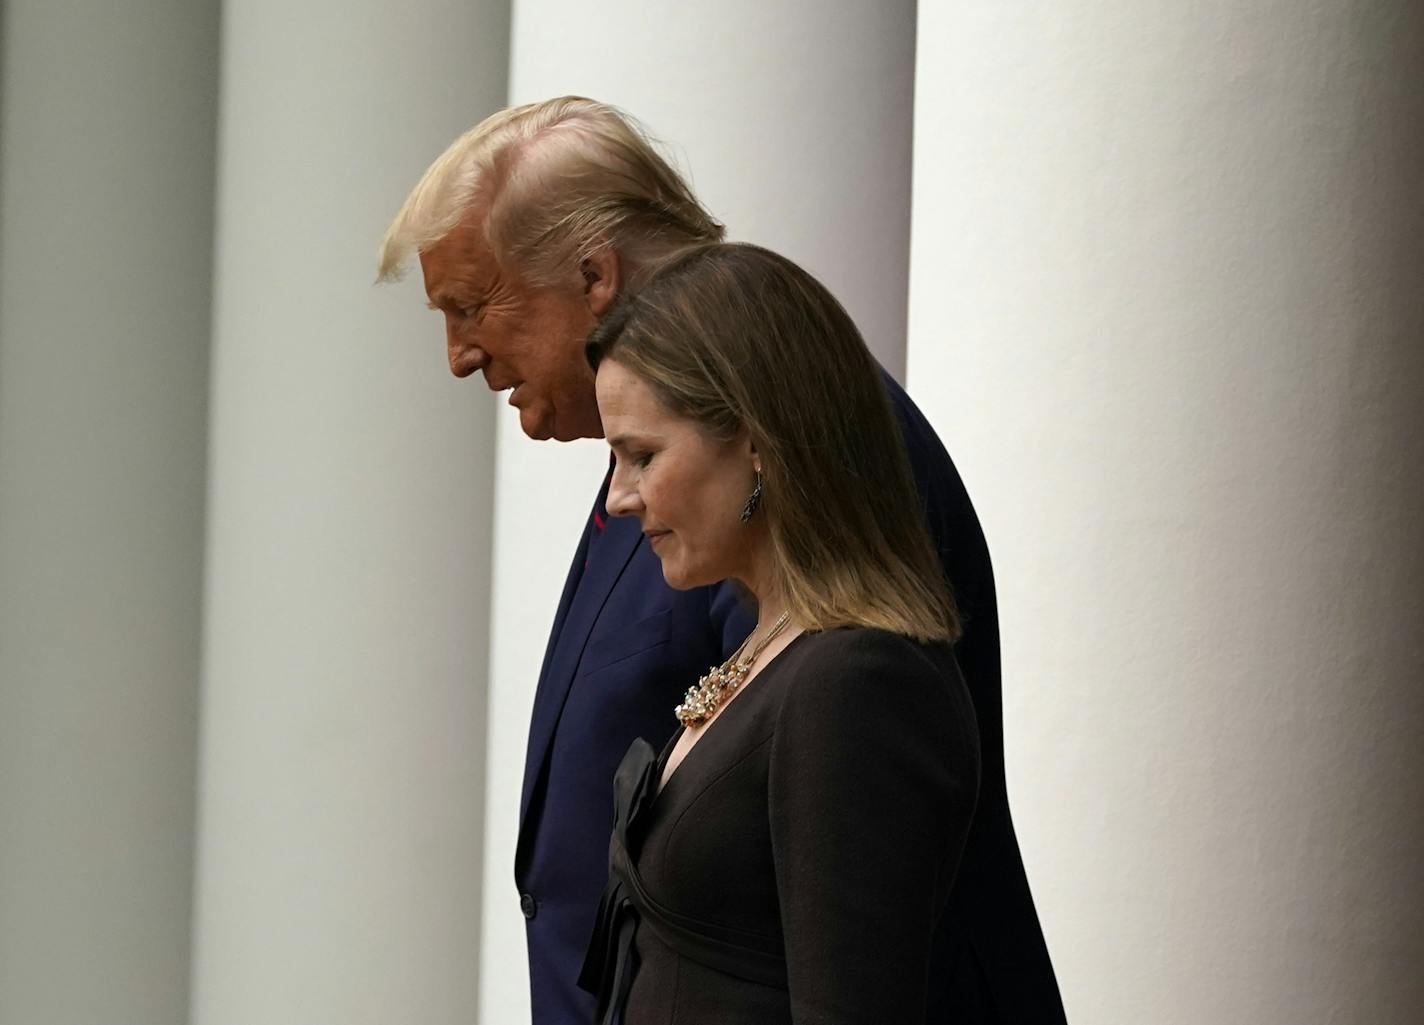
<point x="562" y="179"/>
<point x="735" y="336"/>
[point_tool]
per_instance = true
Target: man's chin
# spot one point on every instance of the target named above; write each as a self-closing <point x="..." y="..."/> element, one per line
<point x="542" y="425"/>
<point x="536" y="424"/>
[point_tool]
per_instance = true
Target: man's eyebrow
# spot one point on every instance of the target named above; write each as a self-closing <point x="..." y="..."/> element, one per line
<point x="458" y="299"/>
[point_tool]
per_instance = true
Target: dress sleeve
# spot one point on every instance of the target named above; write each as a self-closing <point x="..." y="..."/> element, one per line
<point x="872" y="779"/>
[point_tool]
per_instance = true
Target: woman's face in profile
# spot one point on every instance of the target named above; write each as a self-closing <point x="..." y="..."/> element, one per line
<point x="686" y="487"/>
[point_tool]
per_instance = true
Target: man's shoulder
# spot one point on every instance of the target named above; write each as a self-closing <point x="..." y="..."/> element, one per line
<point x="917" y="431"/>
<point x="717" y="610"/>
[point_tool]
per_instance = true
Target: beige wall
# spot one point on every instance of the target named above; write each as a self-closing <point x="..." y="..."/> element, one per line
<point x="106" y="198"/>
<point x="1166" y="311"/>
<point x="348" y="546"/>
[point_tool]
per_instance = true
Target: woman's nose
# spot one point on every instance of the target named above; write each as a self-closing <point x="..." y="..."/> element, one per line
<point x="622" y="499"/>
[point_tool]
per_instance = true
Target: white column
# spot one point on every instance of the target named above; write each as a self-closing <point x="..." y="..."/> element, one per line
<point x="106" y="184"/>
<point x="1166" y="309"/>
<point x="794" y="120"/>
<point x="349" y="534"/>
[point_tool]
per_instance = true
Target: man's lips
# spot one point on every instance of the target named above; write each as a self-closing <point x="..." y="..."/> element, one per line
<point x="495" y="382"/>
<point x="654" y="536"/>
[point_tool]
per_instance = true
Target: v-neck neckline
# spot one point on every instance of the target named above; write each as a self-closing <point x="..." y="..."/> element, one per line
<point x="668" y="748"/>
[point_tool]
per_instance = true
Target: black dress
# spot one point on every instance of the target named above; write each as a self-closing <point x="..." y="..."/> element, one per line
<point x="797" y="863"/>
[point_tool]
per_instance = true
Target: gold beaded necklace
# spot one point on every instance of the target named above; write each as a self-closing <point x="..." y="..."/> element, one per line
<point x="701" y="702"/>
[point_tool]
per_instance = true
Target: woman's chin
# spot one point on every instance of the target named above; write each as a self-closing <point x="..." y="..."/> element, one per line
<point x="673" y="578"/>
<point x="677" y="576"/>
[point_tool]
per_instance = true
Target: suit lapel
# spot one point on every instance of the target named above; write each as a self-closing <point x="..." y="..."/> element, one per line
<point x="585" y="593"/>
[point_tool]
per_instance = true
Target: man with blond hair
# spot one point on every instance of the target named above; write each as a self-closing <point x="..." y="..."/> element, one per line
<point x="527" y="229"/>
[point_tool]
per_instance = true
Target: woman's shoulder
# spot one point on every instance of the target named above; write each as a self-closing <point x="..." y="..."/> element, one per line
<point x="874" y="697"/>
<point x="860" y="665"/>
<point x="837" y="650"/>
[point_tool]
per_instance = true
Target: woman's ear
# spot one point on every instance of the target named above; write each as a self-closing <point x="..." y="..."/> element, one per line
<point x="602" y="278"/>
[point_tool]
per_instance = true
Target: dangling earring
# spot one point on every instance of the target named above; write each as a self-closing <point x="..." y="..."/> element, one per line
<point x="753" y="500"/>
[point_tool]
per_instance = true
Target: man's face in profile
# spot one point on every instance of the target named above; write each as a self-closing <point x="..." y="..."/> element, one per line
<point x="527" y="340"/>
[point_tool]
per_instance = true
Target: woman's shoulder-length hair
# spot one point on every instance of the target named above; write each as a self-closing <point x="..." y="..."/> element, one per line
<point x="735" y="336"/>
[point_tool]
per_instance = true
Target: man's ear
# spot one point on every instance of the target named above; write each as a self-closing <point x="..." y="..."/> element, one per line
<point x="602" y="278"/>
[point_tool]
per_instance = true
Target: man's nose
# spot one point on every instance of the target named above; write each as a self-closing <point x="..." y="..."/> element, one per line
<point x="464" y="358"/>
<point x="622" y="499"/>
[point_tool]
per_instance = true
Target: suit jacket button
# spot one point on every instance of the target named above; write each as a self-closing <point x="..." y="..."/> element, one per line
<point x="528" y="905"/>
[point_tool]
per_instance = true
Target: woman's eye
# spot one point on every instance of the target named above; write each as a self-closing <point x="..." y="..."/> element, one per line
<point x="643" y="460"/>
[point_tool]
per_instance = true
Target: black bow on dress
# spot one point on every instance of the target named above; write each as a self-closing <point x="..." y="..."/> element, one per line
<point x="611" y="961"/>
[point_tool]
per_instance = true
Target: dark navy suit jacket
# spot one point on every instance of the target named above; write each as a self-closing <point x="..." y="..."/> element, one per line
<point x="624" y="648"/>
